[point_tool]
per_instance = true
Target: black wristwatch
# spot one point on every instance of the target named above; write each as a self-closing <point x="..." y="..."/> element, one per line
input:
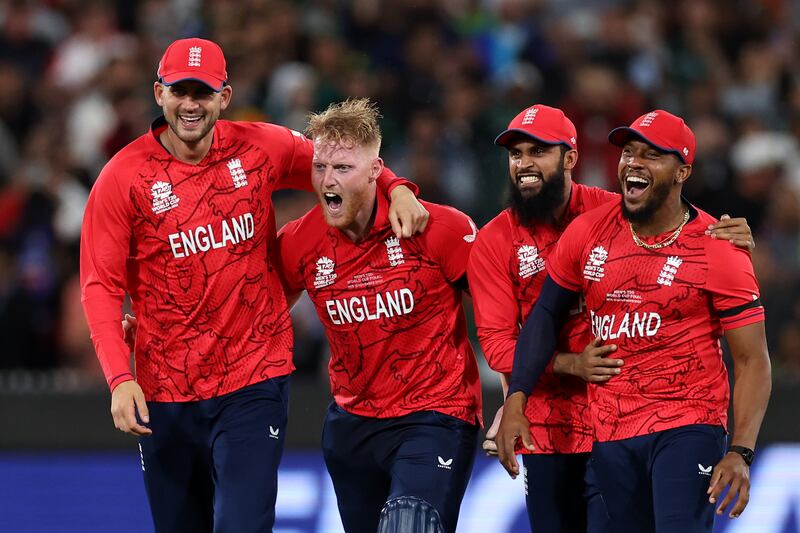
<point x="747" y="454"/>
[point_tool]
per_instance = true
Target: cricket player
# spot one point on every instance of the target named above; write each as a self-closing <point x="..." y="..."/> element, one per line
<point x="664" y="293"/>
<point x="507" y="269"/>
<point x="181" y="220"/>
<point x="400" y="437"/>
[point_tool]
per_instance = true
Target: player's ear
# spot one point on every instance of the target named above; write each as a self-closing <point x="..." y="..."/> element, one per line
<point x="570" y="159"/>
<point x="377" y="168"/>
<point x="682" y="173"/>
<point x="225" y="97"/>
<point x="158" y="89"/>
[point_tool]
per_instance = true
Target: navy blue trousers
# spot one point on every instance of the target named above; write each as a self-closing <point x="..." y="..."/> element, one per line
<point x="561" y="494"/>
<point x="658" y="482"/>
<point x="428" y="455"/>
<point x="212" y="465"/>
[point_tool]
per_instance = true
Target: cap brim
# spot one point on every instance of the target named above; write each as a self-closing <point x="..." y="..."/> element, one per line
<point x="620" y="136"/>
<point x="504" y="138"/>
<point x="215" y="84"/>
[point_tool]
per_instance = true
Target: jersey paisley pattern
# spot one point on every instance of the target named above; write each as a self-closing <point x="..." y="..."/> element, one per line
<point x="391" y="311"/>
<point x="506" y="274"/>
<point x="666" y="310"/>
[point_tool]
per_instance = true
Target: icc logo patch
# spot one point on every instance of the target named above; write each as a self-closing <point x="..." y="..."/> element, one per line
<point x="163" y="198"/>
<point x="529" y="261"/>
<point x="594" y="269"/>
<point x="325" y="274"/>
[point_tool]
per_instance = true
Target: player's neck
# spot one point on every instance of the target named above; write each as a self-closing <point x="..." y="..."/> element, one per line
<point x="666" y="218"/>
<point x="191" y="153"/>
<point x="363" y="221"/>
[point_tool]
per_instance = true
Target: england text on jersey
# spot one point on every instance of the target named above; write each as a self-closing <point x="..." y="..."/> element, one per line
<point x="206" y="237"/>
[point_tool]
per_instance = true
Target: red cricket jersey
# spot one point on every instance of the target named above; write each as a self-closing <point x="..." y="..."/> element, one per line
<point x="392" y="314"/>
<point x="506" y="274"/>
<point x="190" y="244"/>
<point x="666" y="310"/>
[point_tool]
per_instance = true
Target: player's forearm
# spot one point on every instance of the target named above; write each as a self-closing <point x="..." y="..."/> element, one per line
<point x="388" y="183"/>
<point x="538" y="338"/>
<point x="751" y="391"/>
<point x="498" y="347"/>
<point x="103" y="315"/>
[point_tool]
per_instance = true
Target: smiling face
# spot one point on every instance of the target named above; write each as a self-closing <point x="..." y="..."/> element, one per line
<point x="647" y="177"/>
<point x="344" y="176"/>
<point x="191" y="109"/>
<point x="538" y="185"/>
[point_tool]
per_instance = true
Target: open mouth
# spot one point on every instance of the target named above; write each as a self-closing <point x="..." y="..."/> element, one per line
<point x="190" y="121"/>
<point x="635" y="186"/>
<point x="528" y="179"/>
<point x="333" y="200"/>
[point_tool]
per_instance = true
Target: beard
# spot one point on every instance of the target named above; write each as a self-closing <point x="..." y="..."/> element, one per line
<point x="541" y="207"/>
<point x="645" y="213"/>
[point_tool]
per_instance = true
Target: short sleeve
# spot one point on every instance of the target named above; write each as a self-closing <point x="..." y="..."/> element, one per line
<point x="732" y="284"/>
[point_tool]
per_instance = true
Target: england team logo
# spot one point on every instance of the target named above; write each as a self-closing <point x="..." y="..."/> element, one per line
<point x="237" y="173"/>
<point x="163" y="198"/>
<point x="393" y="251"/>
<point x="529" y="261"/>
<point x="669" y="270"/>
<point x="195" y="56"/>
<point x="594" y="269"/>
<point x="325" y="274"/>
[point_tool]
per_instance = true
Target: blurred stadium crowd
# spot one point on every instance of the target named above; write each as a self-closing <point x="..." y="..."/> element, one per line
<point x="76" y="86"/>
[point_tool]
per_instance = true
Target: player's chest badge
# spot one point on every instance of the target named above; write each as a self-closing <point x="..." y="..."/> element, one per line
<point x="238" y="176"/>
<point x="594" y="269"/>
<point x="530" y="262"/>
<point x="163" y="197"/>
<point x="325" y="275"/>
<point x="669" y="271"/>
<point x="394" y="253"/>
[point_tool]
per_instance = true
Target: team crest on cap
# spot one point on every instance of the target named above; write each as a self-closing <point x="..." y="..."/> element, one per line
<point x="325" y="274"/>
<point x="530" y="115"/>
<point x="394" y="252"/>
<point x="593" y="270"/>
<point x="195" y="55"/>
<point x="237" y="173"/>
<point x="529" y="261"/>
<point x="669" y="270"/>
<point x="685" y="151"/>
<point x="163" y="198"/>
<point x="648" y="119"/>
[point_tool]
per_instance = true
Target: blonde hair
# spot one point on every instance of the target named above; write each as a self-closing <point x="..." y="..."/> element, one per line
<point x="353" y="122"/>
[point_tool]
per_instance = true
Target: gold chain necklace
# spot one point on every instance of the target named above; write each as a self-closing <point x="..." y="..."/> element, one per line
<point x="666" y="242"/>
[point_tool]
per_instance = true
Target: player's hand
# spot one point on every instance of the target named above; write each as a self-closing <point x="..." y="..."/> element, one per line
<point x="513" y="425"/>
<point x="731" y="472"/>
<point x="129" y="330"/>
<point x="735" y="230"/>
<point x="407" y="216"/>
<point x="489" y="445"/>
<point x="593" y="365"/>
<point x="126" y="400"/>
